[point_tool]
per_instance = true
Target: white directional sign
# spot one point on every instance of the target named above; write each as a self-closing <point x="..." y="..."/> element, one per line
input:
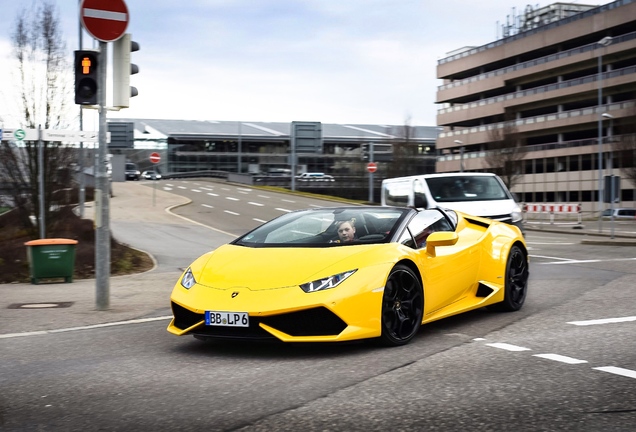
<point x="52" y="135"/>
<point x="68" y="135"/>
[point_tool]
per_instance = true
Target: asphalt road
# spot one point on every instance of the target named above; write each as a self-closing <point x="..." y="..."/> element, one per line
<point x="550" y="367"/>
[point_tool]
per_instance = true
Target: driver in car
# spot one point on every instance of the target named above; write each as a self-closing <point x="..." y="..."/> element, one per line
<point x="346" y="231"/>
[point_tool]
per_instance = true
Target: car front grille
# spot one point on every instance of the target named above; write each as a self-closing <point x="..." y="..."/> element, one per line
<point x="318" y="321"/>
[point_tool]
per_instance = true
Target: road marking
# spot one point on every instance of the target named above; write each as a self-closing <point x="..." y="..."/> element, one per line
<point x="603" y="321"/>
<point x="549" y="243"/>
<point x="212" y="194"/>
<point x="182" y="187"/>
<point x="315" y="205"/>
<point x="289" y="201"/>
<point x="167" y="188"/>
<point x="88" y="327"/>
<point x="232" y="199"/>
<point x="208" y="189"/>
<point x="550" y="257"/>
<point x="256" y="204"/>
<point x="589" y="261"/>
<point x="560" y="358"/>
<point x="259" y="220"/>
<point x="508" y="347"/>
<point x="232" y="213"/>
<point x="617" y="371"/>
<point x="207" y="205"/>
<point x="244" y="189"/>
<point x="283" y="210"/>
<point x="263" y="196"/>
<point x="195" y="190"/>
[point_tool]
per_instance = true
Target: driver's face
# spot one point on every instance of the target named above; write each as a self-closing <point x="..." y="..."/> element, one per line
<point x="346" y="232"/>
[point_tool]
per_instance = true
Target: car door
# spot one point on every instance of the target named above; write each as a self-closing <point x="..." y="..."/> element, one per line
<point x="451" y="273"/>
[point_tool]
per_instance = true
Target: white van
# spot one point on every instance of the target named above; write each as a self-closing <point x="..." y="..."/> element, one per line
<point x="478" y="194"/>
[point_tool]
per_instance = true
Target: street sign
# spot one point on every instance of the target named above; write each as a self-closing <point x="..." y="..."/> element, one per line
<point x="69" y="135"/>
<point x="372" y="167"/>
<point x="19" y="135"/>
<point x="155" y="158"/>
<point x="105" y="20"/>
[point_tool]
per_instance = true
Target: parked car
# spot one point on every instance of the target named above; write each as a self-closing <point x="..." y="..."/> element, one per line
<point x="620" y="213"/>
<point x="132" y="173"/>
<point x="296" y="278"/>
<point x="151" y="175"/>
<point x="315" y="176"/>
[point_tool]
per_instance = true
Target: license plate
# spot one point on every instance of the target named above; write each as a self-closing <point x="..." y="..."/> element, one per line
<point x="227" y="319"/>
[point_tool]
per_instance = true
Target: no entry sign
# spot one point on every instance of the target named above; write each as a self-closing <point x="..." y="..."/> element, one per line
<point x="155" y="158"/>
<point x="372" y="167"/>
<point x="105" y="20"/>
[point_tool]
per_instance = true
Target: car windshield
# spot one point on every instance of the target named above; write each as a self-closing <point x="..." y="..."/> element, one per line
<point x="327" y="227"/>
<point x="466" y="188"/>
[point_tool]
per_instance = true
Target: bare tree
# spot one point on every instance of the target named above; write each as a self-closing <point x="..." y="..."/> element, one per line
<point x="505" y="153"/>
<point x="42" y="79"/>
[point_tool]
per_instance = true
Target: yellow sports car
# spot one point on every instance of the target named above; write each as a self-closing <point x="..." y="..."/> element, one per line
<point x="346" y="273"/>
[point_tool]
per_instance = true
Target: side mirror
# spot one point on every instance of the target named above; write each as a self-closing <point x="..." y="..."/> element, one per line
<point x="440" y="238"/>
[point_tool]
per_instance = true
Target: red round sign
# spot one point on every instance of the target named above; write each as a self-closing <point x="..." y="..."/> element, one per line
<point x="105" y="20"/>
<point x="372" y="167"/>
<point x="155" y="158"/>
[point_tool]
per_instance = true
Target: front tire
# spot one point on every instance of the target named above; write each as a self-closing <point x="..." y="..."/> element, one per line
<point x="402" y="307"/>
<point x="516" y="282"/>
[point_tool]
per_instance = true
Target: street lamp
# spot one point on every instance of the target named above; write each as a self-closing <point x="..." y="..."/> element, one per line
<point x="461" y="155"/>
<point x="610" y="167"/>
<point x="607" y="40"/>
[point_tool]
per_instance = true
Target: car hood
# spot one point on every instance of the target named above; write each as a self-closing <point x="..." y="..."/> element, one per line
<point x="482" y="208"/>
<point x="232" y="266"/>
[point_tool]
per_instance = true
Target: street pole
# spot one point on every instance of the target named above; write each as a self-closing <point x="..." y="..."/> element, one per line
<point x="102" y="196"/>
<point x="370" y="173"/>
<point x="41" y="182"/>
<point x="82" y="180"/>
<point x="603" y="43"/>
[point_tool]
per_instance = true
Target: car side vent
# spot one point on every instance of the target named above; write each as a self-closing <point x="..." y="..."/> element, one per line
<point x="483" y="291"/>
<point x="476" y="222"/>
<point x="311" y="322"/>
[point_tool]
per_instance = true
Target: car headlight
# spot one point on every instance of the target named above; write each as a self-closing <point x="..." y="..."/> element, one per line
<point x="326" y="283"/>
<point x="187" y="281"/>
<point x="516" y="214"/>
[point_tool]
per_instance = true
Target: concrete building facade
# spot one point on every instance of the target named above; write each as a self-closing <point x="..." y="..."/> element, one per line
<point x="562" y="84"/>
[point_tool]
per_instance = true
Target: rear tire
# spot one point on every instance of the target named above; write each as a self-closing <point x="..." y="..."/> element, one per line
<point x="516" y="282"/>
<point x="402" y="307"/>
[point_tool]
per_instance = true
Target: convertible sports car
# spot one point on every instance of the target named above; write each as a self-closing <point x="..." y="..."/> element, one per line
<point x="293" y="279"/>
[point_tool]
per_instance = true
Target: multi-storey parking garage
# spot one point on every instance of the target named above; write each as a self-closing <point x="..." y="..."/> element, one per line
<point x="562" y="84"/>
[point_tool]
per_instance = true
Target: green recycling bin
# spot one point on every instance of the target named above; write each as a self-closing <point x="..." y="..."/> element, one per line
<point x="51" y="258"/>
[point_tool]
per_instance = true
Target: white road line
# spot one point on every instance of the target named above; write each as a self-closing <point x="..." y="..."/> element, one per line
<point x="603" y="321"/>
<point x="88" y="327"/>
<point x="167" y="188"/>
<point x="206" y="205"/>
<point x="232" y="199"/>
<point x="560" y="358"/>
<point x="243" y="192"/>
<point x="182" y="187"/>
<point x="283" y="210"/>
<point x="256" y="204"/>
<point x="244" y="189"/>
<point x="232" y="213"/>
<point x="549" y="243"/>
<point x="508" y="347"/>
<point x="212" y="194"/>
<point x="617" y="371"/>
<point x="289" y="201"/>
<point x="259" y="220"/>
<point x="550" y="257"/>
<point x="315" y="205"/>
<point x="590" y="261"/>
<point x="208" y="189"/>
<point x="263" y="196"/>
<point x="195" y="190"/>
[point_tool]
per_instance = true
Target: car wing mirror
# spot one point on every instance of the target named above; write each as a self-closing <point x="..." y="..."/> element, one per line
<point x="440" y="238"/>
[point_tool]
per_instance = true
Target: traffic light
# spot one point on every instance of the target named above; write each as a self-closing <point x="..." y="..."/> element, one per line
<point x="86" y="77"/>
<point x="122" y="70"/>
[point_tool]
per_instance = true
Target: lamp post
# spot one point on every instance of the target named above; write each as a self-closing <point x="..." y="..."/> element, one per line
<point x="610" y="168"/>
<point x="461" y="155"/>
<point x="602" y="43"/>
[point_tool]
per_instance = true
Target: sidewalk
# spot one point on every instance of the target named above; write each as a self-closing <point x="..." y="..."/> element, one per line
<point x="622" y="234"/>
<point x="26" y="308"/>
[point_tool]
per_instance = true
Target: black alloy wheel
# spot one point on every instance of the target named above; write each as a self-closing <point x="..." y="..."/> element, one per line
<point x="402" y="306"/>
<point x="516" y="288"/>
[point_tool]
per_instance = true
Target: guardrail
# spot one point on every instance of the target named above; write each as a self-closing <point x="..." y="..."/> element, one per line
<point x="552" y="210"/>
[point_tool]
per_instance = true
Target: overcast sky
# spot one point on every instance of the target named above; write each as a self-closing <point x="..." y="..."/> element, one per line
<point x="334" y="61"/>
